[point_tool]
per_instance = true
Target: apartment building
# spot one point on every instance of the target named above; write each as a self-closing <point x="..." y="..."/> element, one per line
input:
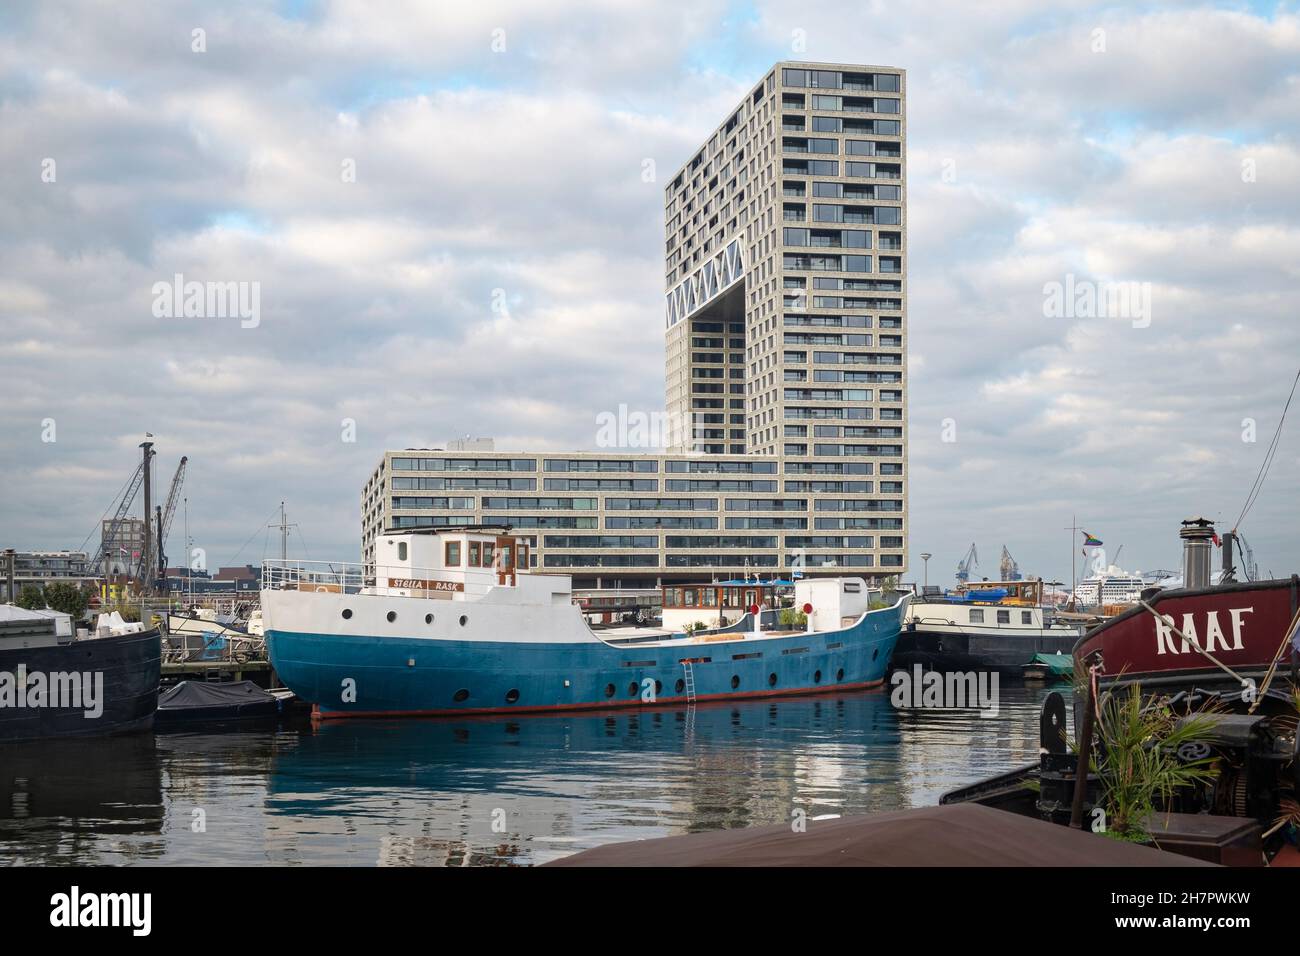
<point x="785" y="338"/>
<point x="785" y="258"/>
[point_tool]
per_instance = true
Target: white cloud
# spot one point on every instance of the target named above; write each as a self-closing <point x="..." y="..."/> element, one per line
<point x="521" y="171"/>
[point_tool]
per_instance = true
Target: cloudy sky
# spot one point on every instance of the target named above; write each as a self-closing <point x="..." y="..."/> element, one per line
<point x="500" y="146"/>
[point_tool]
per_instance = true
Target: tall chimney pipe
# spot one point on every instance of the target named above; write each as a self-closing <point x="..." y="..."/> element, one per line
<point x="1196" y="534"/>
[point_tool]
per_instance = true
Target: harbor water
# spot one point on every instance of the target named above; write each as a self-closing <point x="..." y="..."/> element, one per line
<point x="492" y="791"/>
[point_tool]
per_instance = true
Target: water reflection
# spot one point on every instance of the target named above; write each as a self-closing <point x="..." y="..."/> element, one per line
<point x="485" y="791"/>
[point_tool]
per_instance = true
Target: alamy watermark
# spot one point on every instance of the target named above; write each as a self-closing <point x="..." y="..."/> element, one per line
<point x="629" y="428"/>
<point x="73" y="690"/>
<point x="126" y="910"/>
<point x="179" y="299"/>
<point x="1087" y="299"/>
<point x="934" y="690"/>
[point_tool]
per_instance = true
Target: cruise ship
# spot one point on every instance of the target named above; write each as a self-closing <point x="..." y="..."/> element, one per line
<point x="1114" y="586"/>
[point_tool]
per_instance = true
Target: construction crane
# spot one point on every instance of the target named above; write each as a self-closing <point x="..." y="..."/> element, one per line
<point x="166" y="513"/>
<point x="110" y="539"/>
<point x="1007" y="567"/>
<point x="964" y="566"/>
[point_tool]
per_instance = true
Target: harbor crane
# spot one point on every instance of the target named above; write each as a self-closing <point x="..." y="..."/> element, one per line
<point x="1008" y="569"/>
<point x="972" y="559"/>
<point x="119" y="517"/>
<point x="166" y="513"/>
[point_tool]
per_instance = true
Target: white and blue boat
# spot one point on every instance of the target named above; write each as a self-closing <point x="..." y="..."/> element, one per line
<point x="450" y="621"/>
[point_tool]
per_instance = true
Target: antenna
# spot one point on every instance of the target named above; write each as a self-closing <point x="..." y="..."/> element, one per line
<point x="284" y="527"/>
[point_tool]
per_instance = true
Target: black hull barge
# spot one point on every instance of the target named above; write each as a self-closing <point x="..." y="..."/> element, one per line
<point x="79" y="688"/>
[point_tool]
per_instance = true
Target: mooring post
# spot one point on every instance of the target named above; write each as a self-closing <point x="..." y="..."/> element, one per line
<point x="1085" y="757"/>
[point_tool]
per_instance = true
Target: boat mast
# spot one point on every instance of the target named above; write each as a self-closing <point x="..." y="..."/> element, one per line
<point x="1074" y="579"/>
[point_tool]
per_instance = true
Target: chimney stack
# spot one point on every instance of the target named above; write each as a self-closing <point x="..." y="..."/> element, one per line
<point x="1197" y="534"/>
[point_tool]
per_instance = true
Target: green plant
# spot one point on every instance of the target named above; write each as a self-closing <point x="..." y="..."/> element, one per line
<point x="67" y="598"/>
<point x="695" y="626"/>
<point x="30" y="597"/>
<point x="129" y="612"/>
<point x="792" y="619"/>
<point x="1137" y="758"/>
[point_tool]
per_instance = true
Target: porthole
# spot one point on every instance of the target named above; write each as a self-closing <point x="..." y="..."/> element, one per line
<point x="659" y="687"/>
<point x="512" y="695"/>
<point x="680" y="685"/>
<point x="428" y="619"/>
<point x="392" y="616"/>
<point x="839" y="674"/>
<point x="771" y="680"/>
<point x="347" y="613"/>
<point x="632" y="689"/>
<point x="460" y="696"/>
<point x="609" y="690"/>
<point x="735" y="681"/>
<point x="464" y="619"/>
<point x="817" y="677"/>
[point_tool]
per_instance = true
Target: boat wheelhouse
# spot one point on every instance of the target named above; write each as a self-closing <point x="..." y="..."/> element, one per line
<point x="451" y="621"/>
<point x="719" y="603"/>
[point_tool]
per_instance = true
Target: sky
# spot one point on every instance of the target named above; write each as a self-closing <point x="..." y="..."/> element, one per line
<point x="445" y="211"/>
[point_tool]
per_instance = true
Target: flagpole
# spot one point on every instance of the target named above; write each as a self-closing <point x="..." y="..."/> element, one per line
<point x="1073" y="529"/>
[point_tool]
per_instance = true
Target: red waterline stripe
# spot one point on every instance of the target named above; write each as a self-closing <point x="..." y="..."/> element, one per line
<point x="600" y="705"/>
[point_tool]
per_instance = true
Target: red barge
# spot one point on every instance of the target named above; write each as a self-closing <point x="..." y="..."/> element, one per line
<point x="1226" y="654"/>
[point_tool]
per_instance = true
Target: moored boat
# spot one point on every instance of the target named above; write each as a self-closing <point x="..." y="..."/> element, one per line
<point x="1227" y="638"/>
<point x="450" y="621"/>
<point x="54" y="684"/>
<point x="195" y="703"/>
<point x="999" y="626"/>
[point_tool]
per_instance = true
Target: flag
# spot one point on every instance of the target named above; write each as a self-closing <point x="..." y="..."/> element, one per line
<point x="1089" y="541"/>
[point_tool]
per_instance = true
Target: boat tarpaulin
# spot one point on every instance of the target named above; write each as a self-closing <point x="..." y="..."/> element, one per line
<point x="964" y="834"/>
<point x="1062" y="665"/>
<point x="197" y="693"/>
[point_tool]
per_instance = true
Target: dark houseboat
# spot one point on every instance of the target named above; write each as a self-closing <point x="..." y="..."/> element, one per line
<point x="54" y="684"/>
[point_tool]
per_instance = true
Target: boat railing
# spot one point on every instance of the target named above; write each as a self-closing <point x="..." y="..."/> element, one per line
<point x="345" y="577"/>
<point x="336" y="577"/>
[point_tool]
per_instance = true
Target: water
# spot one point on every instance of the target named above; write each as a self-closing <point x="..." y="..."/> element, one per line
<point x="490" y="791"/>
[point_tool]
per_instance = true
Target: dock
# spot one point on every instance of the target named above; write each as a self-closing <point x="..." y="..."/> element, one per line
<point x="256" y="671"/>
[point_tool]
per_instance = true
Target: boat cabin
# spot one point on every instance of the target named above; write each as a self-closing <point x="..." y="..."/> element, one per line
<point x="448" y="562"/>
<point x="718" y="603"/>
<point x="1027" y="593"/>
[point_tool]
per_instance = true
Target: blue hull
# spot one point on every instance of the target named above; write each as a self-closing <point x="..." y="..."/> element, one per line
<point x="410" y="676"/>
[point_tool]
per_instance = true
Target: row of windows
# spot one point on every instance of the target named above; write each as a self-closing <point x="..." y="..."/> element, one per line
<point x="720" y="560"/>
<point x="639" y="484"/>
<point x="840" y="80"/>
<point x="825" y="145"/>
<point x="826" y="263"/>
<point x="464" y="484"/>
<point x="854" y="169"/>
<point x="657" y="523"/>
